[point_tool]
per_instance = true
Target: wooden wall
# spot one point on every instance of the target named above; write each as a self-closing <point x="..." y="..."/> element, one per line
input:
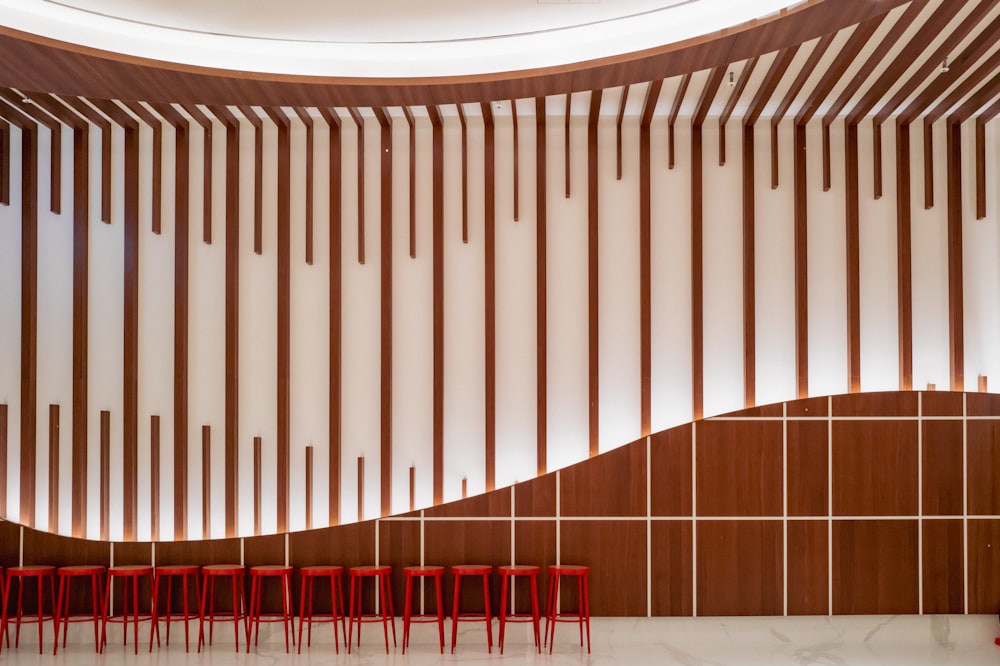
<point x="878" y="503"/>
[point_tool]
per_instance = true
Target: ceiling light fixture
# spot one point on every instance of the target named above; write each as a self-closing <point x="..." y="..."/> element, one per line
<point x="944" y="66"/>
<point x="732" y="79"/>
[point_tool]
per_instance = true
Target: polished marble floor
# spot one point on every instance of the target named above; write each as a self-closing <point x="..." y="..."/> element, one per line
<point x="824" y="641"/>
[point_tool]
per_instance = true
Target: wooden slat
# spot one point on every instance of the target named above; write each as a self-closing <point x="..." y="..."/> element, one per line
<point x="154" y="477"/>
<point x="437" y="252"/>
<point x="4" y="162"/>
<point x="105" y="458"/>
<point x="335" y="306"/>
<point x="734" y="96"/>
<point x="385" y="215"/>
<point x="309" y="487"/>
<point x="206" y="482"/>
<point x="541" y="302"/>
<point x="88" y="112"/>
<point x="81" y="317"/>
<point x="359" y="122"/>
<point x="284" y="335"/>
<point x="489" y="296"/>
<point x="801" y="224"/>
<point x="980" y="169"/>
<point x="770" y="83"/>
<point x="904" y="273"/>
<point x="675" y="110"/>
<point x="618" y="130"/>
<point x="877" y="160"/>
<point x="26" y="105"/>
<point x="566" y="139"/>
<point x="749" y="271"/>
<point x="156" y="186"/>
<point x="258" y="484"/>
<point x="3" y="459"/>
<point x="307" y="122"/>
<point x="413" y="488"/>
<point x="53" y="469"/>
<point x="853" y="227"/>
<point x="361" y="488"/>
<point x="517" y="161"/>
<point x="593" y="267"/>
<point x="258" y="176"/>
<point x="645" y="259"/>
<point x="205" y="122"/>
<point x="465" y="173"/>
<point x="412" y="126"/>
<point x="956" y="326"/>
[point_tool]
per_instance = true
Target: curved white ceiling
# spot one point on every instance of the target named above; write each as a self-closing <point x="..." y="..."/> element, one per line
<point x="378" y="38"/>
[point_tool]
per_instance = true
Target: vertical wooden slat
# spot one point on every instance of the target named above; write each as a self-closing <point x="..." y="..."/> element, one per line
<point x="81" y="297"/>
<point x="26" y="105"/>
<point x="593" y="267"/>
<point x="29" y="317"/>
<point x="675" y="110"/>
<point x="206" y="482"/>
<point x="517" y="162"/>
<point x="53" y="468"/>
<point x="88" y="112"/>
<point x="566" y="139"/>
<point x="983" y="384"/>
<point x="904" y="274"/>
<point x="4" y="162"/>
<point x="413" y="488"/>
<point x="980" y="169"/>
<point x="258" y="472"/>
<point x="465" y="487"/>
<point x="801" y="266"/>
<point x="734" y="97"/>
<point x="956" y="329"/>
<point x="385" y="460"/>
<point x="207" y="152"/>
<point x="154" y="477"/>
<point x="782" y="62"/>
<point x="309" y="487"/>
<point x="156" y="125"/>
<point x="465" y="173"/>
<point x="283" y="321"/>
<point x="258" y="175"/>
<point x="618" y="130"/>
<point x="360" y="122"/>
<point x="411" y="124"/>
<point x="307" y="122"/>
<point x="877" y="159"/>
<point x="749" y="272"/>
<point x="361" y="488"/>
<point x="334" y="467"/>
<point x="105" y="475"/>
<point x="437" y="251"/>
<point x="645" y="259"/>
<point x="489" y="297"/>
<point x="541" y="291"/>
<point x="3" y="459"/>
<point x="852" y="205"/>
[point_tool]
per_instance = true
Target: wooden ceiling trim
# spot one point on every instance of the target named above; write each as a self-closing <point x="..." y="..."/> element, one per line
<point x="734" y="97"/>
<point x="88" y="112"/>
<point x="517" y="189"/>
<point x="27" y="105"/>
<point x="258" y="176"/>
<point x="675" y="110"/>
<point x="645" y="258"/>
<point x="206" y="125"/>
<point x="618" y="129"/>
<point x="385" y="250"/>
<point x="151" y="121"/>
<point x="904" y="268"/>
<point x="335" y="306"/>
<point x="566" y="142"/>
<point x="774" y="75"/>
<point x="465" y="173"/>
<point x="412" y="128"/>
<point x="541" y="292"/>
<point x="489" y="288"/>
<point x="437" y="269"/>
<point x="593" y="265"/>
<point x="986" y="116"/>
<point x="359" y="122"/>
<point x="307" y="121"/>
<point x="33" y="62"/>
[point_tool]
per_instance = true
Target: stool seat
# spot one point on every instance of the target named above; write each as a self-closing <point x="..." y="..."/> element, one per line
<point x="506" y="573"/>
<point x="582" y="614"/>
<point x="309" y="575"/>
<point x="423" y="571"/>
<point x="484" y="570"/>
<point x="257" y="573"/>
<point x="66" y="575"/>
<point x="128" y="573"/>
<point x="386" y="615"/>
<point x="209" y="573"/>
<point x="41" y="573"/>
<point x="185" y="571"/>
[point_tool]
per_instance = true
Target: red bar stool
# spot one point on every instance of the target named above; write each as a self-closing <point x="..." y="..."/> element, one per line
<point x="582" y="614"/>
<point x="209" y="573"/>
<point x="127" y="573"/>
<point x="380" y="574"/>
<point x="309" y="575"/>
<point x="186" y="614"/>
<point x="458" y="571"/>
<point x="257" y="576"/>
<point x="506" y="574"/>
<point x="421" y="572"/>
<point x="40" y="573"/>
<point x="66" y="576"/>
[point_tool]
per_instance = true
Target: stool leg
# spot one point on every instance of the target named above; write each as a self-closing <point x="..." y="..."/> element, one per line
<point x="350" y="625"/>
<point x="385" y="610"/>
<point x="406" y="612"/>
<point x="343" y="620"/>
<point x="534" y="611"/>
<point x="254" y="590"/>
<point x="285" y="603"/>
<point x="486" y="611"/>
<point x="586" y="607"/>
<point x="579" y="612"/>
<point x="440" y="610"/>
<point x="201" y="611"/>
<point x="58" y="614"/>
<point x="454" y="612"/>
<point x="96" y="603"/>
<point x="392" y="611"/>
<point x="302" y="612"/>
<point x="504" y="578"/>
<point x="553" y="610"/>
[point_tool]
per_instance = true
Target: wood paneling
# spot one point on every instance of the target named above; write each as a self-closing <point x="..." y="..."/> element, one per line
<point x="348" y="546"/>
<point x="580" y="485"/>
<point x="206" y="481"/>
<point x="45" y="548"/>
<point x="489" y="294"/>
<point x="154" y="477"/>
<point x="979" y="404"/>
<point x="942" y="468"/>
<point x="437" y="252"/>
<point x="216" y="551"/>
<point x="467" y="542"/>
<point x="739" y="469"/>
<point x="874" y="468"/>
<point x="956" y="298"/>
<point x="808" y="567"/>
<point x="616" y="554"/>
<point x="671" y="570"/>
<point x="671" y="472"/>
<point x="398" y="547"/>
<point x="810" y="407"/>
<point x="593" y="269"/>
<point x="984" y="566"/>
<point x="807" y="468"/>
<point x="536" y="497"/>
<point x="81" y="318"/>
<point x="541" y="292"/>
<point x="875" y="567"/>
<point x="943" y="565"/>
<point x="486" y="505"/>
<point x="983" y="462"/>
<point x="105" y="475"/>
<point x="385" y="301"/>
<point x="944" y="403"/>
<point x="335" y="306"/>
<point x="876" y="404"/>
<point x="3" y="460"/>
<point x="29" y="318"/>
<point x="739" y="567"/>
<point x="645" y="253"/>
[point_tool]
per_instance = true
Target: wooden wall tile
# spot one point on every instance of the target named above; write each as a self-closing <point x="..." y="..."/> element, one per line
<point x="808" y="567"/>
<point x="982" y="404"/>
<point x="399" y="546"/>
<point x="468" y="542"/>
<point x="671" y="571"/>
<point x="942" y="468"/>
<point x="496" y="503"/>
<point x="943" y="566"/>
<point x="984" y="461"/>
<point x="670" y="463"/>
<point x="615" y="551"/>
<point x="808" y="407"/>
<point x="535" y="543"/>
<point x="739" y="468"/>
<point x="875" y="468"/>
<point x="45" y="548"/>
<point x="625" y="468"/>
<point x="536" y="497"/>
<point x="875" y="567"/>
<point x="984" y="566"/>
<point x="215" y="551"/>
<point x="808" y="463"/>
<point x="772" y="410"/>
<point x="346" y="545"/>
<point x="894" y="403"/>
<point x="739" y="567"/>
<point x="941" y="403"/>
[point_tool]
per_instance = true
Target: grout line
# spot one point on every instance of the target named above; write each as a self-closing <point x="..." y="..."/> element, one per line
<point x="694" y="519"/>
<point x="829" y="505"/>
<point x="649" y="528"/>
<point x="784" y="507"/>
<point x="965" y="498"/>
<point x="920" y="504"/>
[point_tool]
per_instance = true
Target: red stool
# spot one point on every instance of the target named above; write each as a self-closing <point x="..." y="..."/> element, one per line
<point x="185" y="571"/>
<point x="257" y="576"/>
<point x="422" y="572"/>
<point x="582" y="614"/>
<point x="66" y="576"/>
<point x="381" y="576"/>
<point x="40" y="573"/>
<point x="310" y="574"/>
<point x="209" y="573"/>
<point x="128" y="573"/>
<point x="512" y="571"/>
<point x="483" y="570"/>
